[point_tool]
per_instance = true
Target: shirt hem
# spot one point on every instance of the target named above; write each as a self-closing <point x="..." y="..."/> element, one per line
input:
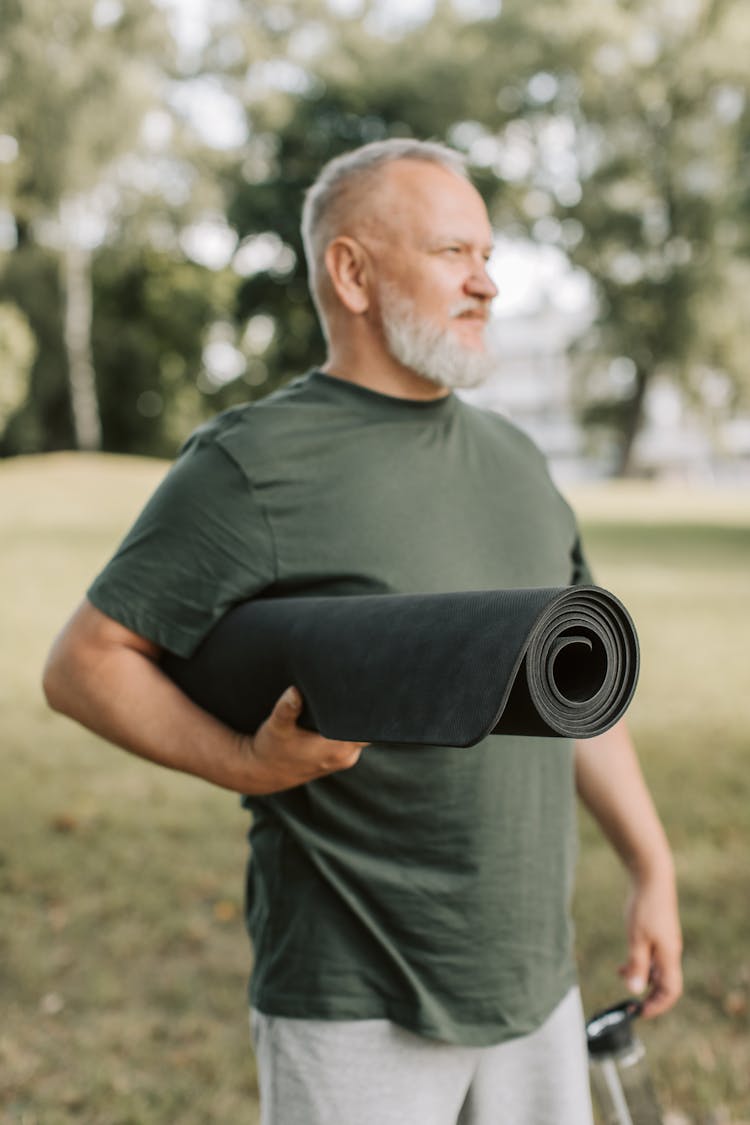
<point x="483" y="1033"/>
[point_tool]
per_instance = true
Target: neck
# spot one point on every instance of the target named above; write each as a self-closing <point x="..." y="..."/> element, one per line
<point x="375" y="369"/>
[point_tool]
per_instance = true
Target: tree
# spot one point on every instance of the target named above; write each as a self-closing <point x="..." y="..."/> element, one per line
<point x="79" y="80"/>
<point x="17" y="348"/>
<point x="151" y="315"/>
<point x="40" y="420"/>
<point x="635" y="116"/>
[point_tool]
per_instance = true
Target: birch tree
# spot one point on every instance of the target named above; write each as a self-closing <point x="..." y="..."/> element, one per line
<point x="77" y="80"/>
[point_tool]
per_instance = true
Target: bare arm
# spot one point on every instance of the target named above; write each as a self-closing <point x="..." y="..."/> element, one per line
<point x="109" y="680"/>
<point x="611" y="785"/>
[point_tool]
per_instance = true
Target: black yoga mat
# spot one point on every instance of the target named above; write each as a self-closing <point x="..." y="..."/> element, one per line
<point x="436" y="669"/>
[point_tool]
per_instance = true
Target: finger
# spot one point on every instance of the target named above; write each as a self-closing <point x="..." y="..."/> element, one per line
<point x="666" y="988"/>
<point x="637" y="970"/>
<point x="657" y="1004"/>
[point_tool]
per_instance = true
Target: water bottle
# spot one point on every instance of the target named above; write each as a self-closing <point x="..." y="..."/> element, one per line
<point x="620" y="1080"/>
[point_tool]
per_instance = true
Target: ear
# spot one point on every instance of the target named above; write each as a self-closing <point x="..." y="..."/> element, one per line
<point x="346" y="262"/>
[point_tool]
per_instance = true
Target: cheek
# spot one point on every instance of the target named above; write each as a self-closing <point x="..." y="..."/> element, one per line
<point x="431" y="287"/>
<point x="438" y="288"/>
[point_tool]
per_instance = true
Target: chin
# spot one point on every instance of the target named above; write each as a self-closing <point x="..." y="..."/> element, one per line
<point x="472" y="339"/>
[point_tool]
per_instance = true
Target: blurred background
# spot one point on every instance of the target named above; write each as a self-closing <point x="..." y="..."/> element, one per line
<point x="154" y="154"/>
<point x="153" y="159"/>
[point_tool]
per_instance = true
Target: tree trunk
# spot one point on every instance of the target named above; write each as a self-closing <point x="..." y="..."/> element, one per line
<point x="76" y="284"/>
<point x="631" y="426"/>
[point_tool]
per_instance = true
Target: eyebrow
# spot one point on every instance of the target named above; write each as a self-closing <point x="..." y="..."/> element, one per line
<point x="437" y="241"/>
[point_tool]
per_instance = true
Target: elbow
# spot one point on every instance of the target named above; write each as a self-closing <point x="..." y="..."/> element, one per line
<point x="62" y="676"/>
<point x="69" y="671"/>
<point x="53" y="684"/>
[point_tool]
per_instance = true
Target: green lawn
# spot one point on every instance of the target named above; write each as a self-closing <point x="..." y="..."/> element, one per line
<point x="681" y="562"/>
<point x="123" y="961"/>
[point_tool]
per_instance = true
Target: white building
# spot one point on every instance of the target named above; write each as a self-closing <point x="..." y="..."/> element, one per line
<point x="533" y="386"/>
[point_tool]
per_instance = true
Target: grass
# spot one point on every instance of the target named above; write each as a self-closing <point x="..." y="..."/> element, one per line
<point x="123" y="962"/>
<point x="681" y="562"/>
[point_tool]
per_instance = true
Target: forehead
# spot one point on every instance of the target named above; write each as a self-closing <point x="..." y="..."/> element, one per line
<point x="420" y="200"/>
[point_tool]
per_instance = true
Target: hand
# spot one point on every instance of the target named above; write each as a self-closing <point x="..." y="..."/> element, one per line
<point x="654" y="945"/>
<point x="283" y="755"/>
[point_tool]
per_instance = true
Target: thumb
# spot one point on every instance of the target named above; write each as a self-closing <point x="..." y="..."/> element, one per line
<point x="288" y="706"/>
<point x="638" y="968"/>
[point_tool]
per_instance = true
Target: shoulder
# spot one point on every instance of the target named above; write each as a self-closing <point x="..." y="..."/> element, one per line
<point x="500" y="429"/>
<point x="254" y="429"/>
<point x="259" y="413"/>
<point x="300" y="422"/>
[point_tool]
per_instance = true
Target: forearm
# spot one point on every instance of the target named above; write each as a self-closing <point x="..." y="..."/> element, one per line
<point x="109" y="679"/>
<point x="612" y="787"/>
<point x="122" y="695"/>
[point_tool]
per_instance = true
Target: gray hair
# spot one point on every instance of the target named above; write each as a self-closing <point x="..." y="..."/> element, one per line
<point x="332" y="193"/>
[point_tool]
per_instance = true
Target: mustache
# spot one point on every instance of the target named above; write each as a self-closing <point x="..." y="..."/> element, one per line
<point x="469" y="306"/>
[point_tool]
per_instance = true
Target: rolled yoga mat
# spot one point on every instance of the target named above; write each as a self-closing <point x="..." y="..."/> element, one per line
<point x="435" y="669"/>
<point x="442" y="669"/>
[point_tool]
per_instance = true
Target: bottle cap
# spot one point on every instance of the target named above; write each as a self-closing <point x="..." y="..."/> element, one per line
<point x="609" y="1031"/>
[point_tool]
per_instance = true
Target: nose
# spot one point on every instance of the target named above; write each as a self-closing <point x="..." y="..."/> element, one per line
<point x="479" y="283"/>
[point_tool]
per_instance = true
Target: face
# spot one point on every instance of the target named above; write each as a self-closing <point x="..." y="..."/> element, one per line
<point x="430" y="243"/>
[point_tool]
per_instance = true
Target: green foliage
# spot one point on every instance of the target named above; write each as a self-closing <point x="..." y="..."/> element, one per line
<point x="76" y="86"/>
<point x="640" y="181"/>
<point x="616" y="133"/>
<point x="150" y="321"/>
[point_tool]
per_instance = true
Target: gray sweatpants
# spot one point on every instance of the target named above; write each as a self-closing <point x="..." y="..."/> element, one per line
<point x="372" y="1072"/>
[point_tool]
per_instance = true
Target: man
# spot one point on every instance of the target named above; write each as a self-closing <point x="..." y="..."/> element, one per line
<point x="408" y="907"/>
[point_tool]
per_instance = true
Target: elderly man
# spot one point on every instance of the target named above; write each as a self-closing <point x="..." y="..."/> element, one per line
<point x="408" y="908"/>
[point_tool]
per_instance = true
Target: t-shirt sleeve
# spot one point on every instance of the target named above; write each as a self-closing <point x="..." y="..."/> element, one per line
<point x="201" y="544"/>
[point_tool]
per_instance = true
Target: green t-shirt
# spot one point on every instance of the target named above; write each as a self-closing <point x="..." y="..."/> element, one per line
<point x="427" y="885"/>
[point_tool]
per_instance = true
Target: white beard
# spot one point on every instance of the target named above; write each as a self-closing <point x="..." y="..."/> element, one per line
<point x="428" y="349"/>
